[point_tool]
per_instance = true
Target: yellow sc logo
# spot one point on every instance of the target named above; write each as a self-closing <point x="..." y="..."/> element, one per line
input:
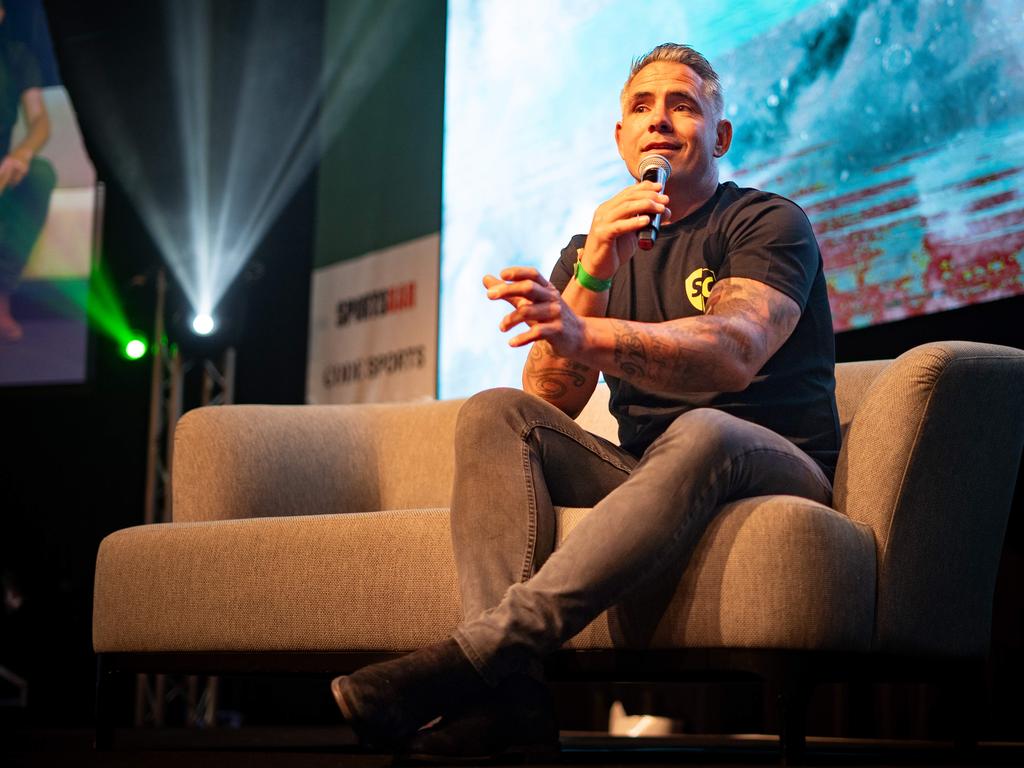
<point x="698" y="287"/>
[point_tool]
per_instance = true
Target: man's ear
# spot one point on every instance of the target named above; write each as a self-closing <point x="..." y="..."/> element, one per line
<point x="618" y="137"/>
<point x="723" y="137"/>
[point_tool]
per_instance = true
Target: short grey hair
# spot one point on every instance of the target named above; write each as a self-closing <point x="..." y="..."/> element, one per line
<point x="681" y="54"/>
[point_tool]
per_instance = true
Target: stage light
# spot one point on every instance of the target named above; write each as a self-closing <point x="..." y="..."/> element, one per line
<point x="240" y="166"/>
<point x="135" y="349"/>
<point x="203" y="324"/>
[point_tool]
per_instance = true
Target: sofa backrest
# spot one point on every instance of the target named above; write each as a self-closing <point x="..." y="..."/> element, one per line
<point x="852" y="381"/>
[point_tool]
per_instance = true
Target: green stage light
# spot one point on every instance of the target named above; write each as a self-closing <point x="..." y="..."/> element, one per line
<point x="135" y="349"/>
<point x="103" y="307"/>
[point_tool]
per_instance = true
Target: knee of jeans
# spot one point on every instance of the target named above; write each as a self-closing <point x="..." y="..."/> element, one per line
<point x="705" y="432"/>
<point x="489" y="411"/>
<point x="41" y="174"/>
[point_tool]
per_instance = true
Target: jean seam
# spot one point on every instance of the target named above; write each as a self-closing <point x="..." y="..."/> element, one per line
<point x="605" y="457"/>
<point x="531" y="523"/>
<point x="526" y="571"/>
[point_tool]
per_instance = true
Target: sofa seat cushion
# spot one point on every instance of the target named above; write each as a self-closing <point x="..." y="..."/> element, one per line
<point x="355" y="581"/>
<point x="769" y="572"/>
<point x="774" y="572"/>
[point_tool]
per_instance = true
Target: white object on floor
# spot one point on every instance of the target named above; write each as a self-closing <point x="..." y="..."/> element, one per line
<point x="621" y="724"/>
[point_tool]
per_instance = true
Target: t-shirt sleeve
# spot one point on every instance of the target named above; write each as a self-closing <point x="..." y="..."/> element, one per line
<point x="26" y="72"/>
<point x="771" y="241"/>
<point x="561" y="274"/>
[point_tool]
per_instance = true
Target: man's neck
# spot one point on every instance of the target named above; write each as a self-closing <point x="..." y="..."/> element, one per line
<point x="685" y="201"/>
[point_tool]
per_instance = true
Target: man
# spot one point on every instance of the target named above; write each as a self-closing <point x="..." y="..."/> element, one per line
<point x="717" y="346"/>
<point x="26" y="181"/>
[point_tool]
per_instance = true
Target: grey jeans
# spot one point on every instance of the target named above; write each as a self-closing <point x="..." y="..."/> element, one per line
<point x="517" y="457"/>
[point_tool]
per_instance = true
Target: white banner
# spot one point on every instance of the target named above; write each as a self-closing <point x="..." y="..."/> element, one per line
<point x="373" y="326"/>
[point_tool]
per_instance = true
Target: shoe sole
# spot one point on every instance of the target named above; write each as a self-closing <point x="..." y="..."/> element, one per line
<point x="339" y="697"/>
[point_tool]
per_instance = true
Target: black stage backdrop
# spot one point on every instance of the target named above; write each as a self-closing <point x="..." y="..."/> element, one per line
<point x="74" y="458"/>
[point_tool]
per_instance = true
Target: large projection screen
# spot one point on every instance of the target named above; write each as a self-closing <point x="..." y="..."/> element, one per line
<point x="897" y="126"/>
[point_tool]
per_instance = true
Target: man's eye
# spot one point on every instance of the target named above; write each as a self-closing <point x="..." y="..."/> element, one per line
<point x="682" y="107"/>
<point x="640" y="108"/>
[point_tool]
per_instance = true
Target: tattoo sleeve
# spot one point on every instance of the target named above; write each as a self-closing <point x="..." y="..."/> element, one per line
<point x="745" y="324"/>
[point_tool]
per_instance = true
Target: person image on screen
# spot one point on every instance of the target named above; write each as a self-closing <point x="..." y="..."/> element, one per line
<point x="26" y="180"/>
<point x="717" y="347"/>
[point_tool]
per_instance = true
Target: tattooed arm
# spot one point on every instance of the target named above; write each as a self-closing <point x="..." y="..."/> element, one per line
<point x="562" y="381"/>
<point x="746" y="323"/>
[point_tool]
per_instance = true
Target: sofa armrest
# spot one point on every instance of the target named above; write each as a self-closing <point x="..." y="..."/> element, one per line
<point x="929" y="463"/>
<point x="241" y="461"/>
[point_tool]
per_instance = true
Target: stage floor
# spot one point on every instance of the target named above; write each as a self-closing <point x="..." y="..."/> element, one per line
<point x="315" y="747"/>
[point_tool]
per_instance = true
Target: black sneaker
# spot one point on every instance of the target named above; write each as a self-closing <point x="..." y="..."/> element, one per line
<point x="387" y="703"/>
<point x="514" y="722"/>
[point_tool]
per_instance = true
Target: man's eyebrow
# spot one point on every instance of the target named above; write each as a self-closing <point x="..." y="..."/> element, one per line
<point x="686" y="96"/>
<point x="640" y="96"/>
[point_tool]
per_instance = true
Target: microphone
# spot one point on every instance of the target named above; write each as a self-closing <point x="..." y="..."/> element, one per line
<point x="657" y="169"/>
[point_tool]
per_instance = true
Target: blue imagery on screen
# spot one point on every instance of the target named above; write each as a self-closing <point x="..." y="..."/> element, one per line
<point x="896" y="125"/>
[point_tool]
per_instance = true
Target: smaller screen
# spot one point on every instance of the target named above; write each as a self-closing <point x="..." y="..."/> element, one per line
<point x="47" y="204"/>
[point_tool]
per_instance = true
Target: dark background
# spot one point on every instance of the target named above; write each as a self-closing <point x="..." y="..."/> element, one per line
<point x="74" y="457"/>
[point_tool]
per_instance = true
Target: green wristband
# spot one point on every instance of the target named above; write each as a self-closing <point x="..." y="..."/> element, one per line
<point x="588" y="281"/>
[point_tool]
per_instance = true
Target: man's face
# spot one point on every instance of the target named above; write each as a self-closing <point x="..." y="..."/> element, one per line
<point x="665" y="112"/>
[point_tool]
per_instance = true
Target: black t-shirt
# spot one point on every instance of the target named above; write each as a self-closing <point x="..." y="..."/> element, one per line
<point x="737" y="233"/>
<point x="19" y="71"/>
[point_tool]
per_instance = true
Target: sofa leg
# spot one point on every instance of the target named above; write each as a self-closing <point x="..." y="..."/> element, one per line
<point x="968" y="698"/>
<point x="105" y="685"/>
<point x="794" y="697"/>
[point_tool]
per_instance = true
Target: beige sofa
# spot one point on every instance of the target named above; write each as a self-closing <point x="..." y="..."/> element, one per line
<point x="315" y="538"/>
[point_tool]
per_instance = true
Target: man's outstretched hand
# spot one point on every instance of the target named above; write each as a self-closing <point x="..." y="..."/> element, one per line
<point x="12" y="170"/>
<point x="539" y="304"/>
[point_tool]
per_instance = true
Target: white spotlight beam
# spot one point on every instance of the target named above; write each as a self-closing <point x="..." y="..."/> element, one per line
<point x="372" y="31"/>
<point x="242" y="158"/>
<point x="189" y="21"/>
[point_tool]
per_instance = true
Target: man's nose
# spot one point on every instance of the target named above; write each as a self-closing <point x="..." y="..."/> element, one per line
<point x="659" y="120"/>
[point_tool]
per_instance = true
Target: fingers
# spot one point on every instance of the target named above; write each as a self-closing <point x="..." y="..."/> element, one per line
<point x="531" y="313"/>
<point x="524" y="289"/>
<point x="520" y="287"/>
<point x="633" y="209"/>
<point x="535" y="299"/>
<point x="523" y="273"/>
<point x="490" y="281"/>
<point x="630" y="210"/>
<point x="532" y="335"/>
<point x="538" y="332"/>
<point x="511" y="274"/>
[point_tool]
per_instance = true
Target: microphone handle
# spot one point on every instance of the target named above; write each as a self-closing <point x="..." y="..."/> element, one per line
<point x="647" y="235"/>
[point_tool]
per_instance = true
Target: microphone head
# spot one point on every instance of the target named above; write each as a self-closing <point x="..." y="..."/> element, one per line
<point x="655" y="163"/>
